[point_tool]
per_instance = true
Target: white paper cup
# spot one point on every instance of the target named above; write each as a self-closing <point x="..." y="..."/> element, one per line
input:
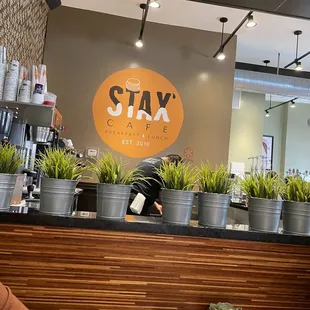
<point x="50" y="99"/>
<point x="24" y="92"/>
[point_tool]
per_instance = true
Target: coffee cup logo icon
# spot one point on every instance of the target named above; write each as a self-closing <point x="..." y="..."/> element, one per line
<point x="133" y="85"/>
<point x="138" y="112"/>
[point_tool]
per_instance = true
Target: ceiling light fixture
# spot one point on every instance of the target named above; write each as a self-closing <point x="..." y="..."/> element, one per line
<point x="221" y="55"/>
<point x="223" y="44"/>
<point x="251" y="23"/>
<point x="267" y="111"/>
<point x="155" y="4"/>
<point x="145" y="10"/>
<point x="298" y="66"/>
<point x="293" y="105"/>
<point x="139" y="43"/>
<point x="297" y="60"/>
<point x="266" y="62"/>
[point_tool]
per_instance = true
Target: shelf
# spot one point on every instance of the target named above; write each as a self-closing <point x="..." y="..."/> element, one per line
<point x="30" y="113"/>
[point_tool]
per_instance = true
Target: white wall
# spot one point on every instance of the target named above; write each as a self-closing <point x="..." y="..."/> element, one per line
<point x="288" y="127"/>
<point x="297" y="150"/>
<point x="247" y="127"/>
<point x="273" y="127"/>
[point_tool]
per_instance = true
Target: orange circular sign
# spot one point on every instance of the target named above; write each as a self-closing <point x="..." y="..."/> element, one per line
<point x="138" y="112"/>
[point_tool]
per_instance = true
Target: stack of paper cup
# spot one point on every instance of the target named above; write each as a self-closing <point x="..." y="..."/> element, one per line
<point x="38" y="94"/>
<point x="2" y="78"/>
<point x="2" y="55"/>
<point x="11" y="81"/>
<point x="3" y="68"/>
<point x="23" y="75"/>
<point x="42" y="76"/>
<point x="24" y="92"/>
<point x="34" y="78"/>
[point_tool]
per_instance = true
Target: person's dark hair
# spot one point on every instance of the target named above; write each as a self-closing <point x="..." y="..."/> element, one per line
<point x="5" y="142"/>
<point x="174" y="158"/>
<point x="272" y="174"/>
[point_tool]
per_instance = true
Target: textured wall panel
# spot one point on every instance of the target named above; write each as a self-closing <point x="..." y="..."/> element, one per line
<point x="23" y="28"/>
<point x="67" y="268"/>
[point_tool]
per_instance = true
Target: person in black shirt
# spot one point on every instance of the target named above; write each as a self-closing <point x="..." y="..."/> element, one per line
<point x="151" y="187"/>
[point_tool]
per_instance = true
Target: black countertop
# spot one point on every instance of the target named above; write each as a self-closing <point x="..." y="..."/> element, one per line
<point x="152" y="225"/>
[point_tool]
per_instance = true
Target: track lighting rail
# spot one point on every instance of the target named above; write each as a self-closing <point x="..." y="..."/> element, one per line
<point x="221" y="48"/>
<point x="281" y="104"/>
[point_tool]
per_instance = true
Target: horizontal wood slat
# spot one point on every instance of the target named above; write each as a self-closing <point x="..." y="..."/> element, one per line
<point x="56" y="268"/>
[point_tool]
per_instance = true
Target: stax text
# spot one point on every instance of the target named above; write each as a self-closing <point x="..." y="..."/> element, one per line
<point x="145" y="110"/>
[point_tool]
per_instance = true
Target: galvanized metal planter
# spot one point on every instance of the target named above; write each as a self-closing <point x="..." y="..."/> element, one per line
<point x="213" y="209"/>
<point x="264" y="214"/>
<point x="7" y="184"/>
<point x="56" y="196"/>
<point x="112" y="201"/>
<point x="177" y="206"/>
<point x="296" y="218"/>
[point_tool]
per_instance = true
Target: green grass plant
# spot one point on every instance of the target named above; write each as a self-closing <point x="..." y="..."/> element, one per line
<point x="10" y="159"/>
<point x="110" y="170"/>
<point x="56" y="163"/>
<point x="178" y="177"/>
<point x="261" y="185"/>
<point x="223" y="306"/>
<point x="214" y="181"/>
<point x="297" y="189"/>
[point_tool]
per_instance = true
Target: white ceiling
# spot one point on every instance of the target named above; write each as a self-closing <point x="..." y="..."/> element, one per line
<point x="272" y="35"/>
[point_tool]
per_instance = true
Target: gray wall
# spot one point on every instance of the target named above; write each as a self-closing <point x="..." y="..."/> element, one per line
<point x="83" y="48"/>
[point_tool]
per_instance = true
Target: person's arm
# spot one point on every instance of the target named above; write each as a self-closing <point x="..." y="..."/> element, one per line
<point x="158" y="207"/>
<point x="8" y="301"/>
<point x="158" y="204"/>
<point x="159" y="200"/>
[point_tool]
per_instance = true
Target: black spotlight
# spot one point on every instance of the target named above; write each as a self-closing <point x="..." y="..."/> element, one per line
<point x="53" y="4"/>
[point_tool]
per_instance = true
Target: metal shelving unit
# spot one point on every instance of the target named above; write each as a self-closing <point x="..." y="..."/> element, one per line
<point x="29" y="113"/>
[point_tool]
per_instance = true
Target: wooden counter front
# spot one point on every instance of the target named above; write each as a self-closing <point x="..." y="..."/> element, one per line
<point x="55" y="268"/>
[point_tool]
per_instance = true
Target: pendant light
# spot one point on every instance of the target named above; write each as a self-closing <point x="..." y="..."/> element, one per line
<point x="145" y="10"/>
<point x="248" y="19"/>
<point x="221" y="55"/>
<point x="297" y="60"/>
<point x="293" y="105"/>
<point x="298" y="67"/>
<point x="267" y="111"/>
<point x="266" y="62"/>
<point x="139" y="43"/>
<point x="155" y="4"/>
<point x="251" y="23"/>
